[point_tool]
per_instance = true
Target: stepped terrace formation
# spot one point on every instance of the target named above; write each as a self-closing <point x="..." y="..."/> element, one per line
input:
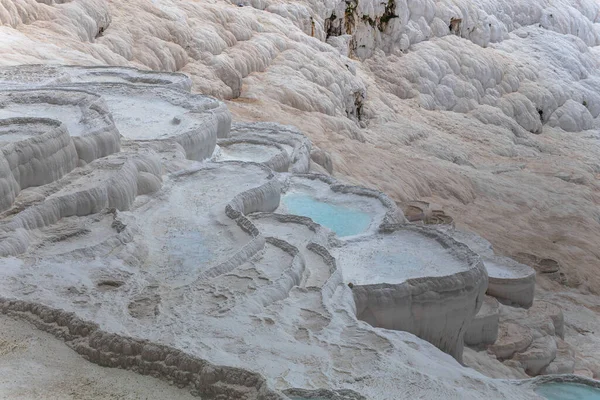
<point x="146" y="231"/>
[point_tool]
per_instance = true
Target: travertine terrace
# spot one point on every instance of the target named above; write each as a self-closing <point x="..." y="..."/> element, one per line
<point x="157" y="258"/>
<point x="213" y="211"/>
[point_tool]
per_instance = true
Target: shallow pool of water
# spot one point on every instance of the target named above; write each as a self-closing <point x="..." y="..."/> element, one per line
<point x="568" y="391"/>
<point x="344" y="221"/>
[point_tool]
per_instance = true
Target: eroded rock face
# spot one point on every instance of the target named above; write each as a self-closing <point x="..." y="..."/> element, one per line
<point x="512" y="338"/>
<point x="532" y="340"/>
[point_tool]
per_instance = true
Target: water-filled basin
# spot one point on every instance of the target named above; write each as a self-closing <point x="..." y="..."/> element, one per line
<point x="344" y="221"/>
<point x="568" y="391"/>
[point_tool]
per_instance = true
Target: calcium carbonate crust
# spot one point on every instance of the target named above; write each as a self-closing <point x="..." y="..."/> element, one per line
<point x="437" y="309"/>
<point x="101" y="138"/>
<point x="278" y="163"/>
<point x="57" y="75"/>
<point x="116" y="351"/>
<point x="113" y="182"/>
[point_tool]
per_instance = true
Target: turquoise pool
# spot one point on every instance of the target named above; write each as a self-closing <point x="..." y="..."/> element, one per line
<point x="344" y="221"/>
<point x="568" y="391"/>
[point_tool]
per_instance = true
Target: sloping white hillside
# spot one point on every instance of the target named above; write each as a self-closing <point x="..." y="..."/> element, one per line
<point x="489" y="109"/>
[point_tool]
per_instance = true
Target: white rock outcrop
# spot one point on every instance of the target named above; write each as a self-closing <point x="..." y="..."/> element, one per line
<point x="483" y="330"/>
<point x="35" y="152"/>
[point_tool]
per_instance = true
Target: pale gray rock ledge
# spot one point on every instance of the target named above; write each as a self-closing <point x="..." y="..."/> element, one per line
<point x="53" y="75"/>
<point x="483" y="330"/>
<point x="509" y="281"/>
<point x="438" y="308"/>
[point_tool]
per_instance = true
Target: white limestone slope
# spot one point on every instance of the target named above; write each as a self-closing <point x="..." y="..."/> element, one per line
<point x="171" y="275"/>
<point x="447" y="108"/>
<point x="487" y="108"/>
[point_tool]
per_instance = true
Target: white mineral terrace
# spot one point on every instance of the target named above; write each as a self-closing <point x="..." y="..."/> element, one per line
<point x="248" y="152"/>
<point x="28" y="75"/>
<point x="415" y="279"/>
<point x="510" y="281"/>
<point x="16" y="130"/>
<point x="141" y="118"/>
<point x="143" y="112"/>
<point x="395" y="257"/>
<point x="227" y="276"/>
<point x="72" y="114"/>
<point x="497" y="270"/>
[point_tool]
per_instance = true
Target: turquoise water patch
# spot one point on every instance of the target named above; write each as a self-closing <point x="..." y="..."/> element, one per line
<point x="568" y="391"/>
<point x="344" y="221"/>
